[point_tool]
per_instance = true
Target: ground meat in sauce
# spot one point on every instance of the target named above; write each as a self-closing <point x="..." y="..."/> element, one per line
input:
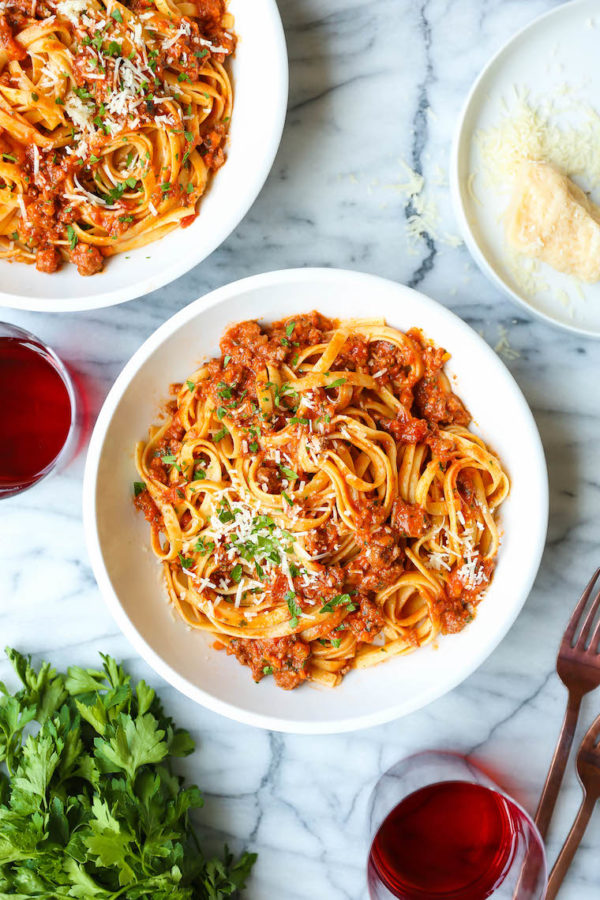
<point x="148" y="507"/>
<point x="269" y="477"/>
<point x="379" y="564"/>
<point x="325" y="583"/>
<point x="88" y="259"/>
<point x="366" y="623"/>
<point x="285" y="658"/>
<point x="8" y="44"/>
<point x="406" y="429"/>
<point x="322" y="540"/>
<point x="435" y="403"/>
<point x="409" y="519"/>
<point x="47" y="259"/>
<point x="453" y="614"/>
<point x="210" y="12"/>
<point x="393" y="362"/>
<point x="169" y="445"/>
<point x="250" y="345"/>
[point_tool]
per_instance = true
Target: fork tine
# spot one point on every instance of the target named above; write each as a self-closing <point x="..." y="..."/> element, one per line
<point x="593" y="732"/>
<point x="595" y="640"/>
<point x="577" y="612"/>
<point x="589" y="621"/>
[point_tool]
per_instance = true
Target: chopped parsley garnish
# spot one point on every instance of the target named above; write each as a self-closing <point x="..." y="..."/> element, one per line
<point x="226" y="360"/>
<point x="339" y="600"/>
<point x="225" y="513"/>
<point x="286" y="498"/>
<point x="253" y="447"/>
<point x="220" y="434"/>
<point x="185" y="562"/>
<point x="295" y="610"/>
<point x="138" y="488"/>
<point x="191" y="386"/>
<point x="224" y="390"/>
<point x="9" y="157"/>
<point x="267" y="670"/>
<point x="289" y="328"/>
<point x="72" y="236"/>
<point x="117" y="16"/>
<point x="236" y="573"/>
<point x="200" y="54"/>
<point x="337" y="383"/>
<point x="289" y="473"/>
<point x="204" y="547"/>
<point x="299" y="420"/>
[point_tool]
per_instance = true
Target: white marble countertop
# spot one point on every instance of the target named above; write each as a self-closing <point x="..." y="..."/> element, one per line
<point x="363" y="78"/>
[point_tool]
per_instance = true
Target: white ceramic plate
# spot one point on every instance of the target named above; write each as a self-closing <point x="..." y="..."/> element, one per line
<point x="130" y="578"/>
<point x="558" y="49"/>
<point x="260" y="81"/>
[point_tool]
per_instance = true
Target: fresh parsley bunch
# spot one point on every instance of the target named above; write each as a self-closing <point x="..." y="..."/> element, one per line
<point x="89" y="805"/>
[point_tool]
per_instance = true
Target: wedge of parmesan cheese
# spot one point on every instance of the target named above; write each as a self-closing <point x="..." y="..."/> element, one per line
<point x="551" y="219"/>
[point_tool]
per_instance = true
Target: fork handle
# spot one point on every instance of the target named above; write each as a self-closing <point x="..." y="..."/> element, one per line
<point x="570" y="846"/>
<point x="556" y="771"/>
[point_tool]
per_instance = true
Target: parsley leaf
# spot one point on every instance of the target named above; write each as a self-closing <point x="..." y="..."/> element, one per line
<point x="72" y="235"/>
<point x="339" y="600"/>
<point x="295" y="610"/>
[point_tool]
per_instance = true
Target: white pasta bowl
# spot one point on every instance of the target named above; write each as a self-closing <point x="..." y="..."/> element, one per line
<point x="260" y="82"/>
<point x="130" y="577"/>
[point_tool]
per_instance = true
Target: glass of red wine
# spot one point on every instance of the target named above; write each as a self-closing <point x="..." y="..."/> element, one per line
<point x="37" y="410"/>
<point x="441" y="829"/>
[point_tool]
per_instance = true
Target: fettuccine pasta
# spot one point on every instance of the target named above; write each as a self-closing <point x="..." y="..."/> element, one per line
<point x="317" y="500"/>
<point x="112" y="118"/>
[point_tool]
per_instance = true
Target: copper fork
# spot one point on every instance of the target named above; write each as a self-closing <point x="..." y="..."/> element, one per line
<point x="588" y="770"/>
<point x="578" y="667"/>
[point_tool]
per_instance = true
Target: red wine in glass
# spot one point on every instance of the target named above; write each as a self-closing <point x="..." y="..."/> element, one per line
<point x="450" y="838"/>
<point x="36" y="409"/>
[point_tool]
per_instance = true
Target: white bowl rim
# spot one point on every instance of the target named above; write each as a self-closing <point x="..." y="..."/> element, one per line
<point x="179" y="267"/>
<point x="120" y="386"/>
<point x="455" y="188"/>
